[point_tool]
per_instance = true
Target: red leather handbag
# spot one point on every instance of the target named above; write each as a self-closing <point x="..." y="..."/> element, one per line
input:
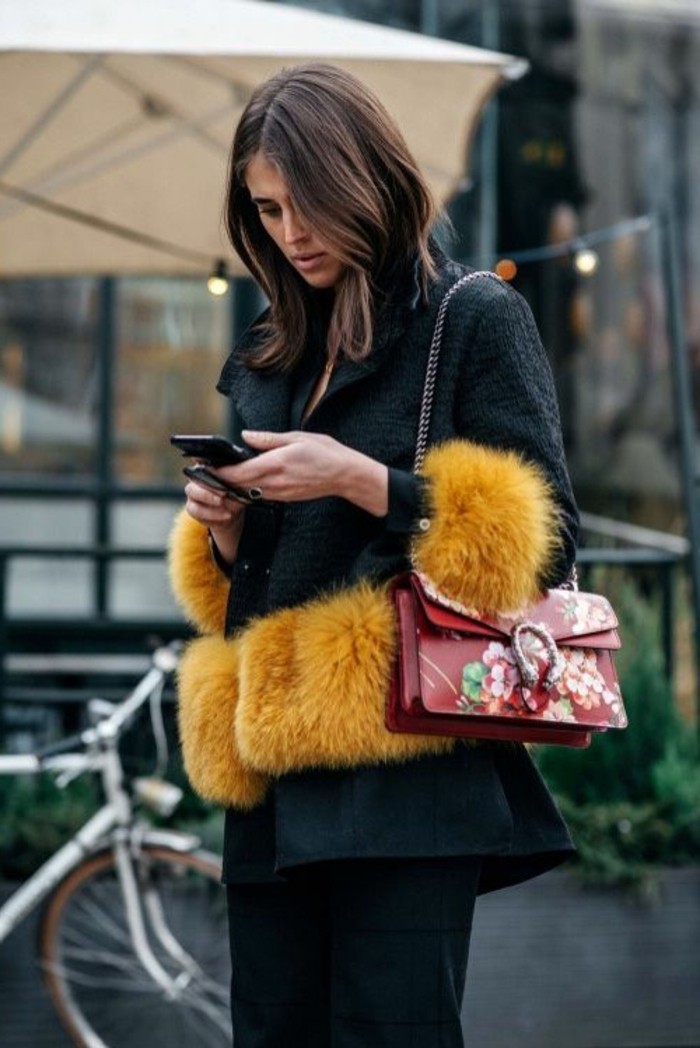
<point x="543" y="675"/>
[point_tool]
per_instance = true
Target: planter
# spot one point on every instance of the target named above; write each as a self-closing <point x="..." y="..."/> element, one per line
<point x="556" y="965"/>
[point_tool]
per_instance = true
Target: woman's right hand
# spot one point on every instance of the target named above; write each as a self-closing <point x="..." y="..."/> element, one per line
<point x="222" y="516"/>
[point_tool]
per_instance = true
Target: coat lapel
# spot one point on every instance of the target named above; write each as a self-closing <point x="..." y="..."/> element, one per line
<point x="391" y="323"/>
<point x="262" y="398"/>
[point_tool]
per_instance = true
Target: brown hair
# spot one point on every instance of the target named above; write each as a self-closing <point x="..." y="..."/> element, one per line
<point x="352" y="180"/>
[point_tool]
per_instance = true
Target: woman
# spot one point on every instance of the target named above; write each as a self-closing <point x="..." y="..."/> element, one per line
<point x="353" y="855"/>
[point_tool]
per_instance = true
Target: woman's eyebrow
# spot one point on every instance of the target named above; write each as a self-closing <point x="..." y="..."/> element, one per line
<point x="262" y="200"/>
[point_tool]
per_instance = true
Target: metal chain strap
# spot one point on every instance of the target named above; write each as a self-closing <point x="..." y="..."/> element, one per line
<point x="571" y="580"/>
<point x="431" y="370"/>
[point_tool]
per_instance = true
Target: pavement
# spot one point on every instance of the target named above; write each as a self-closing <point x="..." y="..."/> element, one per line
<point x="551" y="966"/>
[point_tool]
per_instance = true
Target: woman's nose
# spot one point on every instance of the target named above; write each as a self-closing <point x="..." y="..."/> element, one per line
<point x="294" y="229"/>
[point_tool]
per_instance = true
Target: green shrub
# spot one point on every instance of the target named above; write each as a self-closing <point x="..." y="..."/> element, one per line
<point x="632" y="800"/>
<point x="38" y="818"/>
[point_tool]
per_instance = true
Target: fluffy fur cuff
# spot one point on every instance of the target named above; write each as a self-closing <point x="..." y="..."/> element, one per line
<point x="313" y="686"/>
<point x="200" y="588"/>
<point x="494" y="526"/>
<point x="208" y="695"/>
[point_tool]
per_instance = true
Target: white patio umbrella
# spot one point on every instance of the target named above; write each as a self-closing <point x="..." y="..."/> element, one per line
<point x="116" y="119"/>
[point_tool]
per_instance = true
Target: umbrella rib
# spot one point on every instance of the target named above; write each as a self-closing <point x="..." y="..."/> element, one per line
<point x="52" y="110"/>
<point x="166" y="108"/>
<point x="71" y="179"/>
<point x="241" y="91"/>
<point x="46" y="179"/>
<point x="113" y="228"/>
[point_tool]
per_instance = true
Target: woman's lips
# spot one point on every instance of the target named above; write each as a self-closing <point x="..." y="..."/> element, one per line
<point x="306" y="262"/>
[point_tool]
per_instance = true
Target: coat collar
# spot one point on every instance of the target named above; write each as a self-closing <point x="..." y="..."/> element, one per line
<point x="263" y="399"/>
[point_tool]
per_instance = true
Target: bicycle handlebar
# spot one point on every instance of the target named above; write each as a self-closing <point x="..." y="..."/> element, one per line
<point x="67" y="745"/>
<point x="164" y="662"/>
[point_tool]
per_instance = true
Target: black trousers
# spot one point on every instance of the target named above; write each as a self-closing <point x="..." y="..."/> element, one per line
<point x="357" y="954"/>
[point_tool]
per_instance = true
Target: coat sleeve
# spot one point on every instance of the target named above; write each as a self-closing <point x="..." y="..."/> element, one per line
<point x="508" y="370"/>
<point x="503" y="520"/>
<point x="199" y="585"/>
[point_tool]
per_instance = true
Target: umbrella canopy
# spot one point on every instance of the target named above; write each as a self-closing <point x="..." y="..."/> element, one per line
<point x="116" y="119"/>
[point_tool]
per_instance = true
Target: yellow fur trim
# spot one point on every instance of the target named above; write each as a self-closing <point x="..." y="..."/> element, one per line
<point x="494" y="526"/>
<point x="306" y="687"/>
<point x="313" y="687"/>
<point x="199" y="586"/>
<point x="208" y="694"/>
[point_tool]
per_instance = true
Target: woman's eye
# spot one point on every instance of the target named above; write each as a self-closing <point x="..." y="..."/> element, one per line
<point x="268" y="211"/>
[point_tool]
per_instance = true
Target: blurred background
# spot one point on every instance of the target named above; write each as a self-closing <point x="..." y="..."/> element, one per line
<point x="583" y="188"/>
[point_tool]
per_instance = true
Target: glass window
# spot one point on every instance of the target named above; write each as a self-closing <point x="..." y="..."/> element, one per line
<point x="139" y="589"/>
<point x="172" y="336"/>
<point x="601" y="313"/>
<point x="48" y="367"/>
<point x="50" y="588"/>
<point x="144" y="524"/>
<point x="45" y="522"/>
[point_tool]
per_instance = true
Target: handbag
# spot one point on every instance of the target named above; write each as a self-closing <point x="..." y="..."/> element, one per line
<point x="544" y="674"/>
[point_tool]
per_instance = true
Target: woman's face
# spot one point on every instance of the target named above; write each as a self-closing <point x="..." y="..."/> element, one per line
<point x="313" y="260"/>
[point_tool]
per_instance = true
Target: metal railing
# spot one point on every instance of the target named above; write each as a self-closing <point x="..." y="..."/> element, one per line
<point x="50" y="645"/>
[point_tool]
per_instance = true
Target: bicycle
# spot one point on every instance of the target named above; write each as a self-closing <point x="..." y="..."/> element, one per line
<point x="132" y="942"/>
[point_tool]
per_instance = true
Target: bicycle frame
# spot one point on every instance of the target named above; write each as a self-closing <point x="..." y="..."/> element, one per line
<point x="95" y="834"/>
<point x="113" y="826"/>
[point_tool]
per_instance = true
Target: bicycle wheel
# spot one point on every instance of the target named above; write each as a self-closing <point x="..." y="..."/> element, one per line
<point x="103" y="994"/>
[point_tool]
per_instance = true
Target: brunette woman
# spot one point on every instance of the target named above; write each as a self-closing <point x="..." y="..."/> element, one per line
<point x="353" y="855"/>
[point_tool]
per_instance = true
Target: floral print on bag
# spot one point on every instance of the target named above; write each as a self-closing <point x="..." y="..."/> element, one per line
<point x="584" y="613"/>
<point x="492" y="685"/>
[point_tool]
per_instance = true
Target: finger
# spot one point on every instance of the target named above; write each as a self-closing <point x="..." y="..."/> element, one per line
<point x="200" y="493"/>
<point x="253" y="473"/>
<point x="210" y="506"/>
<point x="263" y="440"/>
<point x="208" y="515"/>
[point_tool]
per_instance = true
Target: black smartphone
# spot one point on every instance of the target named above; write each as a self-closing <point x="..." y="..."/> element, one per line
<point x="204" y="476"/>
<point x="215" y="450"/>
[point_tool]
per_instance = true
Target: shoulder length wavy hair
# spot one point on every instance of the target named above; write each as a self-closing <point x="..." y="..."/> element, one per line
<point x="353" y="181"/>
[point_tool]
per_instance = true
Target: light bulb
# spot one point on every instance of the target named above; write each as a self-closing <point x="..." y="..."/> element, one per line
<point x="217" y="284"/>
<point x="586" y="261"/>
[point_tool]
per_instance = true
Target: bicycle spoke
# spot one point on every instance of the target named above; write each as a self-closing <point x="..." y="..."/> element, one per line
<point x="99" y="976"/>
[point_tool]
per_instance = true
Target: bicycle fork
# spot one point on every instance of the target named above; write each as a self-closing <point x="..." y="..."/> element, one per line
<point x="137" y="925"/>
<point x="136" y="893"/>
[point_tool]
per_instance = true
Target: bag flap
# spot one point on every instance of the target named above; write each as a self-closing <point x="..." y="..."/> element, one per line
<point x="441" y="614"/>
<point x="569" y="615"/>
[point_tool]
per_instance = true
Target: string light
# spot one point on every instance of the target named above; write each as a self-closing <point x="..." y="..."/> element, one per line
<point x="217" y="284"/>
<point x="506" y="269"/>
<point x="586" y="261"/>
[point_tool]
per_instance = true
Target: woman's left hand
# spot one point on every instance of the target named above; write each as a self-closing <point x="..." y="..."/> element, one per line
<point x="297" y="466"/>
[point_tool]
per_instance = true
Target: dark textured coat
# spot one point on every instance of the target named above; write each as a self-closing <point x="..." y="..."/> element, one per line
<point x="494" y="388"/>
